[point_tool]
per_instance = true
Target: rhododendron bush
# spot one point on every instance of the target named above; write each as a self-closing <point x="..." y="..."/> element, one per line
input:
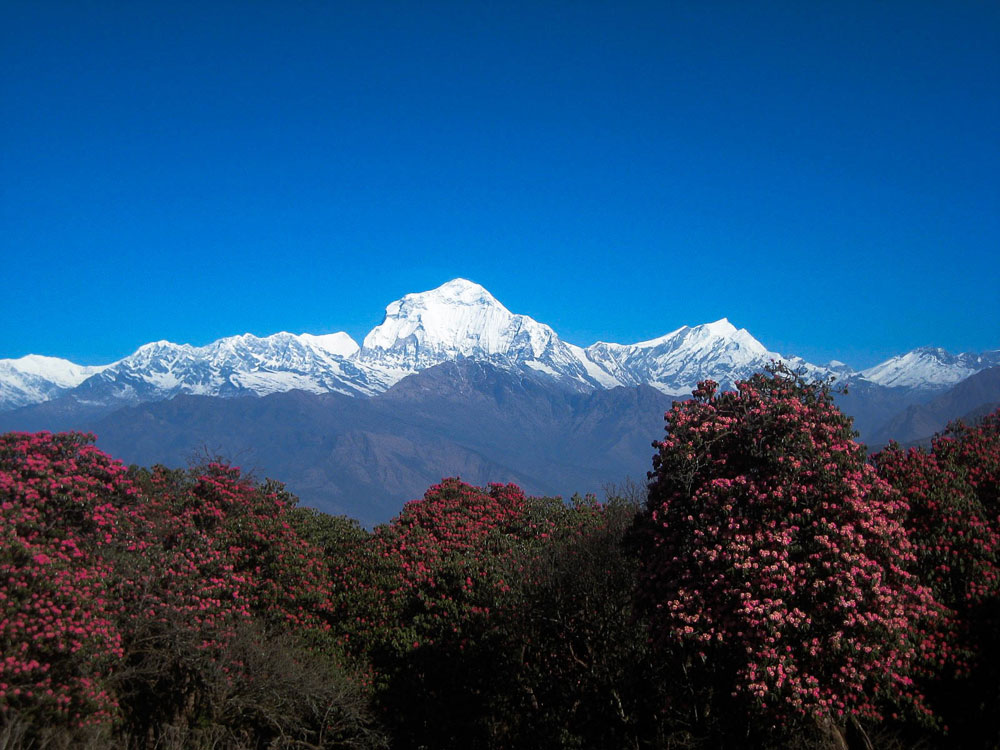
<point x="432" y="566"/>
<point x="775" y="589"/>
<point x="775" y="564"/>
<point x="508" y="622"/>
<point x="955" y="539"/>
<point x="954" y="525"/>
<point x="438" y="577"/>
<point x="213" y="556"/>
<point x="161" y="604"/>
<point x="227" y="549"/>
<point x="975" y="448"/>
<point x="61" y="501"/>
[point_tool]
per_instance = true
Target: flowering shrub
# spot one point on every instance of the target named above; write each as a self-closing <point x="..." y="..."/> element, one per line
<point x="282" y="577"/>
<point x="774" y="560"/>
<point x="956" y="543"/>
<point x="437" y="571"/>
<point x="440" y="551"/>
<point x="954" y="526"/>
<point x="775" y="573"/>
<point x="453" y="519"/>
<point x="975" y="450"/>
<point x="212" y="555"/>
<point x="61" y="504"/>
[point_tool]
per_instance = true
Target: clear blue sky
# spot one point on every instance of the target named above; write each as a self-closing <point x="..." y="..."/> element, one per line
<point x="825" y="174"/>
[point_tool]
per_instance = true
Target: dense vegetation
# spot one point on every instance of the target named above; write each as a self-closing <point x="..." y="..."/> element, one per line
<point x="773" y="588"/>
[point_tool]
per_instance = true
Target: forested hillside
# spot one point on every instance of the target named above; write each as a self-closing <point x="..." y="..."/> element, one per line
<point x="772" y="587"/>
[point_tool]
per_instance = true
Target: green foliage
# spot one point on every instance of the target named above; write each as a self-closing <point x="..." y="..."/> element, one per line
<point x="437" y="571"/>
<point x="172" y="608"/>
<point x="583" y="670"/>
<point x="229" y="628"/>
<point x="523" y="632"/>
<point x="767" y="593"/>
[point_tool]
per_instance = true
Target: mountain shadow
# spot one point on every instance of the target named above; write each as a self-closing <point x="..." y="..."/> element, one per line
<point x="974" y="397"/>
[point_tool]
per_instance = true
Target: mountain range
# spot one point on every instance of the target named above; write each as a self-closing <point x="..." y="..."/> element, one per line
<point x="451" y="382"/>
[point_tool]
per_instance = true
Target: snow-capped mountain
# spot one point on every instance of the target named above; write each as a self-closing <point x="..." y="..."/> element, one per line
<point x="462" y="320"/>
<point x="674" y="363"/>
<point x="929" y="368"/>
<point x="840" y="369"/>
<point x="232" y="366"/>
<point x="34" y="378"/>
<point x="459" y="320"/>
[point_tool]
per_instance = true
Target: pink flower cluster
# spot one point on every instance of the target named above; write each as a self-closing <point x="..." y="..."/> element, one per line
<point x="954" y="525"/>
<point x="436" y="556"/>
<point x="216" y="550"/>
<point x="98" y="567"/>
<point x="775" y="552"/>
<point x="62" y="503"/>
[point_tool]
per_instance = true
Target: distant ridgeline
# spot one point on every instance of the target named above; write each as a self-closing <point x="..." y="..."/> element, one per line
<point x="450" y="383"/>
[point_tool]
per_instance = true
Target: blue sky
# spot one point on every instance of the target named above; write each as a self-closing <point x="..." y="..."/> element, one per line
<point x="823" y="174"/>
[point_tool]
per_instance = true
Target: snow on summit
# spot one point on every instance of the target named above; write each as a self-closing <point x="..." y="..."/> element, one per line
<point x="458" y="319"/>
<point x="35" y="378"/>
<point x="675" y="362"/>
<point x="340" y="343"/>
<point x="928" y="367"/>
<point x="61" y="372"/>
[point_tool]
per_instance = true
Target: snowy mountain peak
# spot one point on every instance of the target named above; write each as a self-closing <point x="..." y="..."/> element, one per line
<point x="840" y="369"/>
<point x="724" y="333"/>
<point x="929" y="367"/>
<point x="62" y="372"/>
<point x="461" y="292"/>
<point x="458" y="319"/>
<point x="442" y="304"/>
<point x="34" y="378"/>
<point x="461" y="319"/>
<point x="160" y="345"/>
<point x="234" y="365"/>
<point x="721" y="327"/>
<point x="674" y="363"/>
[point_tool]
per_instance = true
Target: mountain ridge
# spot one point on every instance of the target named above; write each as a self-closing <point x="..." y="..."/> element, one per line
<point x="366" y="457"/>
<point x="458" y="320"/>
